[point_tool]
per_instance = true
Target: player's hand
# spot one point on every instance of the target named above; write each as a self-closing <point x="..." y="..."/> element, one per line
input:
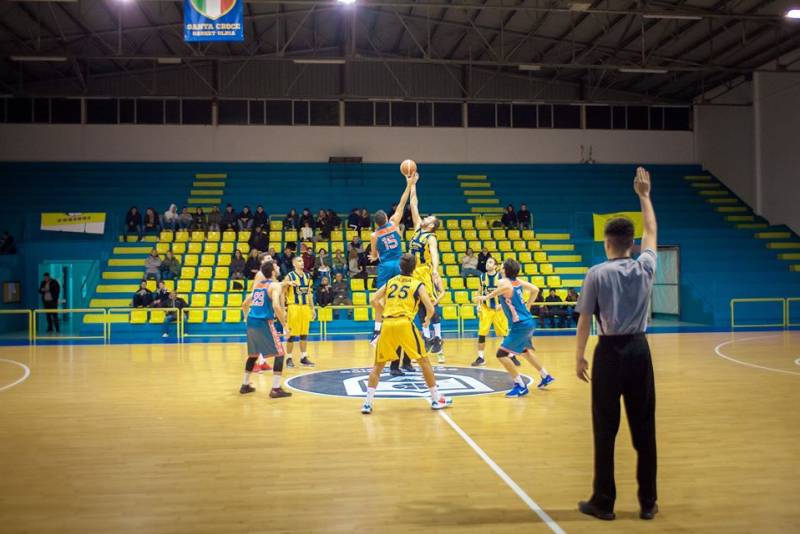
<point x="414" y="178"/>
<point x="582" y="369"/>
<point x="426" y="323"/>
<point x="641" y="183"/>
<point x="479" y="299"/>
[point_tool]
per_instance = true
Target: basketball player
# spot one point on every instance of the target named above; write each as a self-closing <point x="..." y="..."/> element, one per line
<point x="490" y="312"/>
<point x="261" y="363"/>
<point x="425" y="248"/>
<point x="386" y="246"/>
<point x="617" y="292"/>
<point x="517" y="312"/>
<point x="261" y="308"/>
<point x="301" y="311"/>
<point x="402" y="296"/>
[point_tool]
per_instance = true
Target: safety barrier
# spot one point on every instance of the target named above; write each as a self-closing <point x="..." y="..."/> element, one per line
<point x="784" y="313"/>
<point x="69" y="329"/>
<point x="28" y="315"/>
<point x="789" y="301"/>
<point x="148" y="315"/>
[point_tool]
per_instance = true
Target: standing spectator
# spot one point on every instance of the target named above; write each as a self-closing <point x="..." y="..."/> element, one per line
<point x="7" y="245"/>
<point x="355" y="265"/>
<point x="152" y="266"/>
<point x="160" y="295"/>
<point x="133" y="223"/>
<point x="238" y="266"/>
<point x="170" y="267"/>
<point x="324" y="292"/>
<point x="228" y="219"/>
<point x="50" y="290"/>
<point x="524" y="217"/>
<point x="572" y="296"/>
<point x="306" y="217"/>
<point x="259" y="240"/>
<point x="143" y="296"/>
<point x="252" y="265"/>
<point x="482" y="257"/>
<point x="260" y="218"/>
<point x="469" y="264"/>
<point x="364" y="221"/>
<point x="151" y="221"/>
<point x="306" y="232"/>
<point x="354" y="220"/>
<point x="175" y="302"/>
<point x="509" y="219"/>
<point x="339" y="264"/>
<point x="215" y="220"/>
<point x="555" y="313"/>
<point x="291" y="221"/>
<point x="199" y="220"/>
<point x="308" y="258"/>
<point x="245" y="219"/>
<point x="185" y="220"/>
<point x="170" y="218"/>
<point x="322" y="266"/>
<point x="341" y="291"/>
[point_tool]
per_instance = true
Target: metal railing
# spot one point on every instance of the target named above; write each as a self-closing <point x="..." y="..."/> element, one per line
<point x="179" y="318"/>
<point x="785" y="312"/>
<point x="789" y="322"/>
<point x="28" y="314"/>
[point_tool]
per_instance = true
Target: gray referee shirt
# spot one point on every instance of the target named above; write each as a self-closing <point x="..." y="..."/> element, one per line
<point x="618" y="293"/>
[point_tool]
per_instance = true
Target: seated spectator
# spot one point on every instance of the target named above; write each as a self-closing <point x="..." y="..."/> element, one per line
<point x="341" y="291"/>
<point x="482" y="257"/>
<point x="143" y="296"/>
<point x="338" y="263"/>
<point x="364" y="221"/>
<point x="334" y="220"/>
<point x="199" y="220"/>
<point x="306" y="217"/>
<point x="175" y="302"/>
<point x="524" y="217"/>
<point x="291" y="221"/>
<point x="285" y="260"/>
<point x="259" y="240"/>
<point x="152" y="266"/>
<point x="7" y="245"/>
<point x="356" y="244"/>
<point x="555" y="313"/>
<point x="322" y="265"/>
<point x="306" y="232"/>
<point x="509" y="219"/>
<point x="355" y="266"/>
<point x="252" y="265"/>
<point x="572" y="296"/>
<point x="324" y="292"/>
<point x="228" y="219"/>
<point x="160" y="295"/>
<point x="170" y="267"/>
<point x="245" y="219"/>
<point x="215" y="220"/>
<point x="469" y="264"/>
<point x="185" y="219"/>
<point x="152" y="224"/>
<point x="354" y="220"/>
<point x="237" y="266"/>
<point x="260" y="218"/>
<point x="170" y="218"/>
<point x="537" y="311"/>
<point x="307" y="253"/>
<point x="133" y="223"/>
<point x="323" y="225"/>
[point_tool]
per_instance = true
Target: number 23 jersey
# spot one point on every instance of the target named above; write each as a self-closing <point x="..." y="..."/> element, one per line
<point x="402" y="297"/>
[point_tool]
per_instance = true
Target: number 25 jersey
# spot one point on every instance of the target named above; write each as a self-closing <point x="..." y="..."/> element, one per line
<point x="402" y="297"/>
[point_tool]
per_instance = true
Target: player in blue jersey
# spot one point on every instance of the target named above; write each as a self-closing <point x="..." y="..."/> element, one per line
<point x="386" y="246"/>
<point x="521" y="326"/>
<point x="261" y="308"/>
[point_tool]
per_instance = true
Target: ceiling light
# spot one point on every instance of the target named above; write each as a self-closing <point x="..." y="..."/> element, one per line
<point x="671" y="16"/>
<point x="793" y="14"/>
<point x="640" y="70"/>
<point x="168" y="60"/>
<point x="346" y="2"/>
<point x="320" y="61"/>
<point x="528" y="66"/>
<point x="38" y="58"/>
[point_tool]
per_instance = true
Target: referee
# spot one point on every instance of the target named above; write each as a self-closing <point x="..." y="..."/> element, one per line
<point x="617" y="292"/>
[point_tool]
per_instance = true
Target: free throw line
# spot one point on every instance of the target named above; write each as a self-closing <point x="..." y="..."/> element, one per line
<point x="25" y="368"/>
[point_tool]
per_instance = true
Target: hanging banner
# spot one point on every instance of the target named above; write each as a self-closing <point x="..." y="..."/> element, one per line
<point x="213" y="20"/>
<point x="82" y="223"/>
<point x="600" y="220"/>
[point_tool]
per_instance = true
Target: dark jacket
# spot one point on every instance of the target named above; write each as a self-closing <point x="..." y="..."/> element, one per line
<point x="159" y="296"/>
<point x="354" y="220"/>
<point x="307" y="219"/>
<point x="262" y="220"/>
<point x="237" y="265"/>
<point x="324" y="295"/>
<point x="250" y="265"/>
<point x="228" y="220"/>
<point x="178" y="303"/>
<point x="290" y="222"/>
<point x="259" y="241"/>
<point x="524" y="217"/>
<point x="55" y="289"/>
<point x="509" y="219"/>
<point x="142" y="298"/>
<point x="133" y="220"/>
<point x="482" y="261"/>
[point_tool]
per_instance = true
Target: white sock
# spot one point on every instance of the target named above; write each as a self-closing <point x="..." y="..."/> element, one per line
<point x="276" y="381"/>
<point x="520" y="381"/>
<point x="434" y="393"/>
<point x="260" y="360"/>
<point x="426" y="331"/>
<point x="437" y="330"/>
<point x="246" y="379"/>
<point x="378" y="325"/>
<point x="303" y="355"/>
<point x="480" y="354"/>
<point x="543" y="372"/>
<point x="370" y="395"/>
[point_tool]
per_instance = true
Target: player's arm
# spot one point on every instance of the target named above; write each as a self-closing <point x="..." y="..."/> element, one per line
<point x="397" y="216"/>
<point x="641" y="184"/>
<point x="311" y="302"/>
<point x="532" y="290"/>
<point x="276" y="294"/>
<point x="373" y="247"/>
<point x="414" y="203"/>
<point x="433" y="247"/>
<point x="246" y="305"/>
<point x="377" y="299"/>
<point x="582" y="335"/>
<point x="502" y="288"/>
<point x="426" y="301"/>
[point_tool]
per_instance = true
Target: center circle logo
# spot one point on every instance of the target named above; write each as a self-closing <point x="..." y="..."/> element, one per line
<point x="452" y="381"/>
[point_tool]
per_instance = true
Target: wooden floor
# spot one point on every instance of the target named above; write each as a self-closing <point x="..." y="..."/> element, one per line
<point x="153" y="439"/>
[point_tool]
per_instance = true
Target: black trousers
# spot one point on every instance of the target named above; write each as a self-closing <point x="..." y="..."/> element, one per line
<point x="52" y="318"/>
<point x="622" y="367"/>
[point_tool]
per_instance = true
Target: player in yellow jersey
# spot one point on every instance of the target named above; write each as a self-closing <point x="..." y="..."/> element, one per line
<point x="399" y="301"/>
<point x="301" y="311"/>
<point x="490" y="313"/>
<point x="425" y="248"/>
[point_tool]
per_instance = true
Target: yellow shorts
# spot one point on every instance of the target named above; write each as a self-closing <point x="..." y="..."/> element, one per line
<point x="399" y="333"/>
<point x="424" y="274"/>
<point x="488" y="317"/>
<point x="299" y="319"/>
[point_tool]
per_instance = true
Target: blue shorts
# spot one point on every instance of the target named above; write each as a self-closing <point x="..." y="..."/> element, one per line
<point x="519" y="337"/>
<point x="386" y="271"/>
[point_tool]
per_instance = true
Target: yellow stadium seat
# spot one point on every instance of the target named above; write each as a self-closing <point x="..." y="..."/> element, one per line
<point x="337" y="235"/>
<point x="202" y="286"/>
<point x="546" y="268"/>
<point x="235" y="300"/>
<point x="513" y="235"/>
<point x="244" y="235"/>
<point x="197" y="235"/>
<point x="199" y="300"/>
<point x="275" y="237"/>
<point x="540" y="257"/>
<point x="525" y="257"/>
<point x="366" y="235"/>
<point x="187" y="273"/>
<point x="360" y="298"/>
<point x="165" y="236"/>
<point x="357" y="284"/>
<point x="138" y="317"/>
<point x="461" y="297"/>
<point x="276" y="225"/>
<point x="451" y="270"/>
<point x="553" y="281"/>
<point x="233" y="316"/>
<point x="222" y="273"/>
<point x="445" y="246"/>
<point x="467" y="312"/>
<point x="214" y="316"/>
<point x="531" y="268"/>
<point x="204" y="273"/>
<point x="456" y="283"/>
<point x="325" y="314"/>
<point x="562" y="293"/>
<point x="181" y="236"/>
<point x="208" y="260"/>
<point x="243" y="247"/>
<point x="460" y="246"/>
<point x="509" y="256"/>
<point x="211" y="247"/>
<point x="447" y="298"/>
<point x="528" y="235"/>
<point x="169" y="285"/>
<point x="499" y="234"/>
<point x="534" y="245"/>
<point x="471" y="235"/>
<point x="217" y="300"/>
<point x="474" y="245"/>
<point x="185" y="285"/>
<point x="481" y="223"/>
<point x="157" y="316"/>
<point x="290" y="236"/>
<point x="350" y="234"/>
<point x="212" y="236"/>
<point x="485" y="235"/>
<point x="491" y="246"/>
<point x="179" y="248"/>
<point x="195" y="316"/>
<point x="249" y="285"/>
<point x="449" y="258"/>
<point x="467" y="223"/>
<point x="219" y="286"/>
<point x="441" y="235"/>
<point x="451" y="224"/>
<point x="504" y="246"/>
<point x="456" y="235"/>
<point x="229" y="236"/>
<point x="519" y="245"/>
<point x="151" y="285"/>
<point x="162" y="247"/>
<point x="361" y="314"/>
<point x="190" y="260"/>
<point x="473" y="282"/>
<point x="223" y="260"/>
<point x="226" y="247"/>
<point x="538" y="281"/>
<point x="449" y="313"/>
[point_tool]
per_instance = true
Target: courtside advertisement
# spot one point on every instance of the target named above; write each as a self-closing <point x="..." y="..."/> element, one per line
<point x="213" y="20"/>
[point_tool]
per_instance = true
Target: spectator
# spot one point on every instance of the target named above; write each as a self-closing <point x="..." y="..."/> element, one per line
<point x="152" y="266"/>
<point x="334" y="220"/>
<point x="364" y="221"/>
<point x="354" y="220"/>
<point x="160" y="295"/>
<point x="7" y="245"/>
<point x="185" y="219"/>
<point x="322" y="265"/>
<point x="259" y="240"/>
<point x="356" y="244"/>
<point x="286" y="260"/>
<point x="469" y="264"/>
<point x="175" y="302"/>
<point x="260" y="218"/>
<point x="228" y="219"/>
<point x="238" y="266"/>
<point x="215" y="220"/>
<point x="341" y="291"/>
<point x="306" y="232"/>
<point x="524" y="217"/>
<point x="555" y="313"/>
<point x="143" y="297"/>
<point x="252" y="265"/>
<point x="308" y="258"/>
<point x="338" y="263"/>
<point x="324" y="292"/>
<point x="323" y="225"/>
<point x="408" y="220"/>
<point x="245" y="220"/>
<point x="291" y="221"/>
<point x="133" y="223"/>
<point x="538" y="311"/>
<point x="482" y="257"/>
<point x="509" y="219"/>
<point x="170" y="267"/>
<point x="170" y="218"/>
<point x="355" y="266"/>
<point x="199" y="222"/>
<point x="151" y="221"/>
<point x="572" y="296"/>
<point x="50" y="290"/>
<point x="306" y="217"/>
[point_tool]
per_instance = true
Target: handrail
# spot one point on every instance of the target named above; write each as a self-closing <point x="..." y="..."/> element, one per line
<point x="29" y="314"/>
<point x="179" y="318"/>
<point x="101" y="311"/>
<point x="781" y="301"/>
<point x="789" y="301"/>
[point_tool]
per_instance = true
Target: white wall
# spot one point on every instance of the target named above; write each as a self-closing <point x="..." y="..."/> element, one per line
<point x="298" y="143"/>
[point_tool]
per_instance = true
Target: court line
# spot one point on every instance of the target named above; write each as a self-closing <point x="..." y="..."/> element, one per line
<point x="24" y="376"/>
<point x="549" y="521"/>
<point x="748" y="364"/>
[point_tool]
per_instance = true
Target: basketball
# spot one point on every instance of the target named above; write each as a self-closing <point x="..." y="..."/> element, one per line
<point x="408" y="167"/>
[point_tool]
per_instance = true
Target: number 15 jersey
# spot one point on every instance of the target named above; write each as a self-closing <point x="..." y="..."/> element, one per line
<point x="402" y="297"/>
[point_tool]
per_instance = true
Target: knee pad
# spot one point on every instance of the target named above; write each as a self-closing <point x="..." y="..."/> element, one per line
<point x="277" y="366"/>
<point x="502" y="354"/>
<point x="481" y="339"/>
<point x="250" y="363"/>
